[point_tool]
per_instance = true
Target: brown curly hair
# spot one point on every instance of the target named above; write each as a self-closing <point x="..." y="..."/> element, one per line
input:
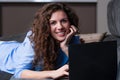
<point x="45" y="46"/>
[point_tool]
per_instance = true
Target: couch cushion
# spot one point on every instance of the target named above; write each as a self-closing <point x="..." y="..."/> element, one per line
<point x="92" y="37"/>
<point x="18" y="37"/>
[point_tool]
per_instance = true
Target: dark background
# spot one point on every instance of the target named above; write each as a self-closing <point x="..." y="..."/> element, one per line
<point x="16" y="18"/>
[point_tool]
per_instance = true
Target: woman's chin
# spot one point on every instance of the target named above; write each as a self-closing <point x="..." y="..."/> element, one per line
<point x="60" y="40"/>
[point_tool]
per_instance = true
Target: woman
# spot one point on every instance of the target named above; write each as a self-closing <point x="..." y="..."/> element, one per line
<point x="44" y="52"/>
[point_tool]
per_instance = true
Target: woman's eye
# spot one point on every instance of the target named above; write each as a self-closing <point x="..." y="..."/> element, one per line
<point x="52" y="23"/>
<point x="64" y="21"/>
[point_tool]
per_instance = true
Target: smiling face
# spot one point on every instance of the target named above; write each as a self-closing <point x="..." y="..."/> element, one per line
<point x="59" y="25"/>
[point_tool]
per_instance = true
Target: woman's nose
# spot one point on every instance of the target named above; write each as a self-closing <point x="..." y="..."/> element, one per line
<point x="60" y="26"/>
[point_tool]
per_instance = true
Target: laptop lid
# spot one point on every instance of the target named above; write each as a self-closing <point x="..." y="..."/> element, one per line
<point x="93" y="61"/>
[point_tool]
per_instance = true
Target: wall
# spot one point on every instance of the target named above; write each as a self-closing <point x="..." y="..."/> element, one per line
<point x="102" y="25"/>
<point x="17" y="17"/>
<point x="101" y="19"/>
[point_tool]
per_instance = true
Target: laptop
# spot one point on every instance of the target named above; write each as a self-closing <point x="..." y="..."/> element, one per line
<point x="93" y="61"/>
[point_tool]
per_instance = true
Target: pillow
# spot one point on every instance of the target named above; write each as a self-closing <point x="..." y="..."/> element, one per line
<point x="92" y="37"/>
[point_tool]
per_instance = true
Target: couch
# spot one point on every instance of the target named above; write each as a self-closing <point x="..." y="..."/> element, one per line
<point x="84" y="38"/>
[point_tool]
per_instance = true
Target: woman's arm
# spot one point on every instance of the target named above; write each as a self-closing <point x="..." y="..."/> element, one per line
<point x="64" y="44"/>
<point x="54" y="74"/>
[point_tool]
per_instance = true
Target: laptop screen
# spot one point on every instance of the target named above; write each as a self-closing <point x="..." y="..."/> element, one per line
<point x="93" y="61"/>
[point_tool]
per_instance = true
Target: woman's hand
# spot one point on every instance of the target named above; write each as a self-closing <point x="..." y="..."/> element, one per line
<point x="63" y="71"/>
<point x="64" y="44"/>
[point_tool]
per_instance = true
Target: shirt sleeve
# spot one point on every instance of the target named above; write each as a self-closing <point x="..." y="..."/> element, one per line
<point x="23" y="56"/>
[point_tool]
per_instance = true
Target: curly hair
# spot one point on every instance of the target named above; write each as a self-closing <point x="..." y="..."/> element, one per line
<point x="45" y="46"/>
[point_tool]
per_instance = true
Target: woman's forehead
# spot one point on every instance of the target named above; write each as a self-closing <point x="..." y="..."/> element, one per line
<point x="58" y="14"/>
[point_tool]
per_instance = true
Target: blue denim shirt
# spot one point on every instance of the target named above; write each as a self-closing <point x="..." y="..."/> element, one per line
<point x="16" y="57"/>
